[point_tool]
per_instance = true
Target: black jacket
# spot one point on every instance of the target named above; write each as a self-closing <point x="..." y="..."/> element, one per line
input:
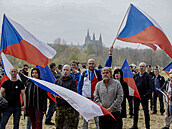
<point x="35" y="96"/>
<point x="125" y="89"/>
<point x="144" y="84"/>
<point x="66" y="82"/>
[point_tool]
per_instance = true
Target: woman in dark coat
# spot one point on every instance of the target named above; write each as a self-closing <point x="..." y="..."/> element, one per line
<point x="36" y="100"/>
<point x="118" y="75"/>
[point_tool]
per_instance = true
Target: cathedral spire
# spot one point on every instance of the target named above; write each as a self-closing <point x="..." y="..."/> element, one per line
<point x="88" y="32"/>
<point x="94" y="37"/>
<point x="100" y="38"/>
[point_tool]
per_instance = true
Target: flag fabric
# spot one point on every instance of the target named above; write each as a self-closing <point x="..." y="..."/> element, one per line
<point x="150" y="45"/>
<point x="166" y="96"/>
<point x="128" y="78"/>
<point x="7" y="66"/>
<point x="141" y="28"/>
<point x="48" y="76"/>
<point x="167" y="68"/>
<point x="18" y="42"/>
<point x="87" y="108"/>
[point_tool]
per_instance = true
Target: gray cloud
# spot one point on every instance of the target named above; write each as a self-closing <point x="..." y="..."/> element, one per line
<point x="70" y="19"/>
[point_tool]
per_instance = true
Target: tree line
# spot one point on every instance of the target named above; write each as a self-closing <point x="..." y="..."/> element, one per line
<point x="66" y="53"/>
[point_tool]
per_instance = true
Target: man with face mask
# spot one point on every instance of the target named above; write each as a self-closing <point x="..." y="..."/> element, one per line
<point x="109" y="94"/>
<point x="88" y="81"/>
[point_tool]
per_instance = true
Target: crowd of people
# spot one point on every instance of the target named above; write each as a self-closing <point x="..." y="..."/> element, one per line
<point x="103" y="86"/>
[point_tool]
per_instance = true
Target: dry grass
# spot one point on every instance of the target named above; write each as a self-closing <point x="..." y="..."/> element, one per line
<point x="157" y="122"/>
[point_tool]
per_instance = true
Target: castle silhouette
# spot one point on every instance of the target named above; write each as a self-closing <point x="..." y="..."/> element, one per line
<point x="97" y="44"/>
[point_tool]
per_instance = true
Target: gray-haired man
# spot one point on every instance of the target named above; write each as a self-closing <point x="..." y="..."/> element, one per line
<point x="109" y="94"/>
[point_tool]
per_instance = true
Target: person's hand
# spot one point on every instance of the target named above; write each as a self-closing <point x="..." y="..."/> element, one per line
<point x="23" y="108"/>
<point x="110" y="50"/>
<point x="109" y="109"/>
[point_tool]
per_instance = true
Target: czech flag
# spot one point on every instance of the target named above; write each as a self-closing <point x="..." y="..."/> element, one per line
<point x="18" y="42"/>
<point x="167" y="68"/>
<point x="48" y="76"/>
<point x="150" y="45"/>
<point x="128" y="78"/>
<point x="141" y="28"/>
<point x="87" y="108"/>
<point x="7" y="66"/>
<point x="166" y="96"/>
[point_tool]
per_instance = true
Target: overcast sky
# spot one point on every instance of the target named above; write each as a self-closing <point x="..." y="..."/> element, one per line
<point x="70" y="19"/>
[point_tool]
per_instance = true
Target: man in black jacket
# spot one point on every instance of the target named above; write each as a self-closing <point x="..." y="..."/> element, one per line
<point x="64" y="112"/>
<point x="144" y="84"/>
<point x="158" y="82"/>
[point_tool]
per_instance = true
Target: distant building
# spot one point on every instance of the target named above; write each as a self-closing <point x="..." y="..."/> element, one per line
<point x="97" y="44"/>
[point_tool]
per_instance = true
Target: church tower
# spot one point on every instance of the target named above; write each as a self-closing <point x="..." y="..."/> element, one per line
<point x="97" y="44"/>
<point x="94" y="39"/>
<point x="87" y="39"/>
<point x="100" y="38"/>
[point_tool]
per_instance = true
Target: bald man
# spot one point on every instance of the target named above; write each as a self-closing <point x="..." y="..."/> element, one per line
<point x="64" y="112"/>
<point x="89" y="79"/>
<point x="144" y="85"/>
<point x="12" y="89"/>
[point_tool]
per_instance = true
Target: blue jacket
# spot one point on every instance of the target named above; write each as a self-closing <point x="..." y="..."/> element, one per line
<point x="92" y="74"/>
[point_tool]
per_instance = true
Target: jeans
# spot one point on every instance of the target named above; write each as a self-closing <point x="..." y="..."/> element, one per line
<point x="28" y="123"/>
<point x="50" y="111"/>
<point x="16" y="111"/>
<point x="170" y="110"/>
<point x="85" y="123"/>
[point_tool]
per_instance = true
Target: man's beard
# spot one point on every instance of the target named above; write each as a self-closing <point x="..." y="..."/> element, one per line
<point x="105" y="78"/>
<point x="91" y="68"/>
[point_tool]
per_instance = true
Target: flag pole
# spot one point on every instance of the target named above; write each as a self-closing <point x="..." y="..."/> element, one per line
<point x="134" y="54"/>
<point x="121" y="25"/>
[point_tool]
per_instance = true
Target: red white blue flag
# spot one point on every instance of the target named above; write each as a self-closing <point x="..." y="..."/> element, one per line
<point x="128" y="78"/>
<point x="141" y="28"/>
<point x="167" y="68"/>
<point x="7" y="66"/>
<point x="150" y="45"/>
<point x="87" y="108"/>
<point x="166" y="96"/>
<point x="18" y="42"/>
<point x="48" y="76"/>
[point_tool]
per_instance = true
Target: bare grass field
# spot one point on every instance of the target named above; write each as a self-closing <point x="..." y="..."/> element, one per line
<point x="157" y="121"/>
